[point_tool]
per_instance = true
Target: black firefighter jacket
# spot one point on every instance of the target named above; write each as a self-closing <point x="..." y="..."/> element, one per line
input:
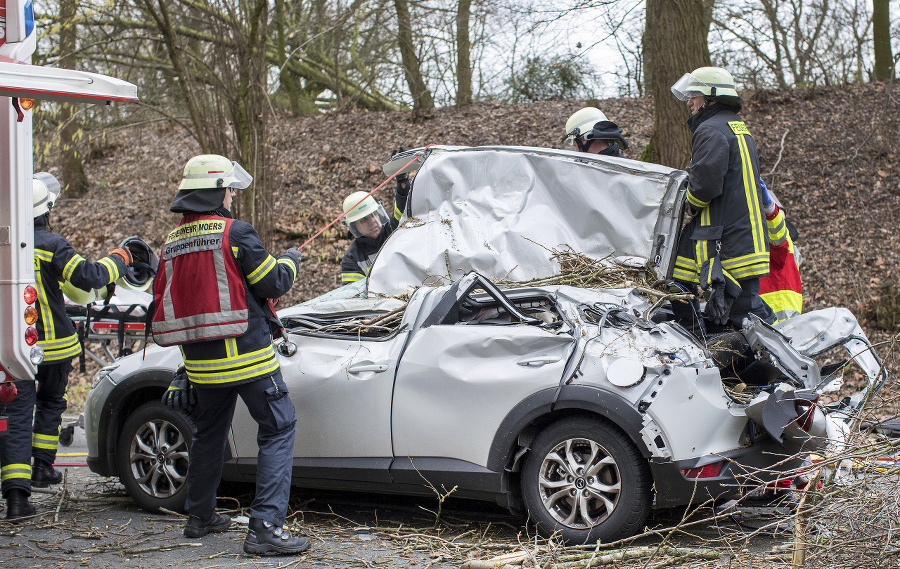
<point x="724" y="189"/>
<point x="56" y="261"/>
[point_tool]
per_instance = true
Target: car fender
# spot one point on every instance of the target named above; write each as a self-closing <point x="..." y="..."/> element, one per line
<point x="123" y="400"/>
<point x="607" y="404"/>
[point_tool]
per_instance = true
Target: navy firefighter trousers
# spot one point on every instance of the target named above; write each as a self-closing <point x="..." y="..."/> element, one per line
<point x="267" y="400"/>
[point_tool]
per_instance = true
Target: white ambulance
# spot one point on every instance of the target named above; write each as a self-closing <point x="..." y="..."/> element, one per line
<point x="21" y="84"/>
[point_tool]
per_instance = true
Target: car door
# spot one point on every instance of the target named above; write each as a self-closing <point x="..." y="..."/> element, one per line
<point x="341" y="389"/>
<point x="457" y="381"/>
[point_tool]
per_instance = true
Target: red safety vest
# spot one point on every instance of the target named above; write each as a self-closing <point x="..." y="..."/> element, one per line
<point x="782" y="288"/>
<point x="199" y="291"/>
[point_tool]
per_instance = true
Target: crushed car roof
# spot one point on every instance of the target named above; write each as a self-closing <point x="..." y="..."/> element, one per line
<point x="501" y="211"/>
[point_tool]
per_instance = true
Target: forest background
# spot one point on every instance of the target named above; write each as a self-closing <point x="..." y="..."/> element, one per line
<point x="312" y="96"/>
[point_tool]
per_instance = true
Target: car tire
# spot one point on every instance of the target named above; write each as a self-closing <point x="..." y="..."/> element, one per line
<point x="586" y="481"/>
<point x="152" y="457"/>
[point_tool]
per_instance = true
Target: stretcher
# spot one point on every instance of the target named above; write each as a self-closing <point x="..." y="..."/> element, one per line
<point x="111" y="328"/>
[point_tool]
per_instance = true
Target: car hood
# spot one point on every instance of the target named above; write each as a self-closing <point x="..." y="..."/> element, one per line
<point x="501" y="210"/>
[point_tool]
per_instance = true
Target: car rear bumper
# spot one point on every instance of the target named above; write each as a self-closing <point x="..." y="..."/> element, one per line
<point x="743" y="469"/>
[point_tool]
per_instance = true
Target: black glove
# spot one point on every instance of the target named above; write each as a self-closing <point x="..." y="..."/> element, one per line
<point x="402" y="178"/>
<point x="294" y="255"/>
<point x="724" y="290"/>
<point x="180" y="396"/>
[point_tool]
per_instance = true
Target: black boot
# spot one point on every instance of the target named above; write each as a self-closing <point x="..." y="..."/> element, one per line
<point x="17" y="504"/>
<point x="43" y="474"/>
<point x="196" y="527"/>
<point x="263" y="537"/>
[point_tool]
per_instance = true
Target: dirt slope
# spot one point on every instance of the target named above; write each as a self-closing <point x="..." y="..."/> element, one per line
<point x="832" y="155"/>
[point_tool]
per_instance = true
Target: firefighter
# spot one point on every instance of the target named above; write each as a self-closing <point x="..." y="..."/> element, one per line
<point x="370" y="226"/>
<point x="724" y="247"/>
<point x="782" y="288"/>
<point x="55" y="261"/>
<point x="210" y="297"/>
<point x="589" y="131"/>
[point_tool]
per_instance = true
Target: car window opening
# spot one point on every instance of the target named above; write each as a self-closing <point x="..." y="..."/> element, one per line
<point x="373" y="325"/>
<point x="488" y="312"/>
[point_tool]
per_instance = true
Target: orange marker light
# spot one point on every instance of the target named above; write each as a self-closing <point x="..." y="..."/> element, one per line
<point x="30" y="294"/>
<point x="26" y="104"/>
<point x="30" y="315"/>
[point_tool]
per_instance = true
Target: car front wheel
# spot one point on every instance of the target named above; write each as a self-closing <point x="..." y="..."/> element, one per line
<point x="153" y="456"/>
<point x="584" y="479"/>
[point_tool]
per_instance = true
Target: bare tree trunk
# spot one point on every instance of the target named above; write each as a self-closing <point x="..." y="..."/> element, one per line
<point x="166" y="28"/>
<point x="675" y="44"/>
<point x="881" y="35"/>
<point x="422" y="99"/>
<point x="74" y="180"/>
<point x="463" y="62"/>
<point x="250" y="117"/>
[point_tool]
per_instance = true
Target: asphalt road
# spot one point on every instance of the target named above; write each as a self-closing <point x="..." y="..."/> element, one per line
<point x="95" y="524"/>
<point x="89" y="521"/>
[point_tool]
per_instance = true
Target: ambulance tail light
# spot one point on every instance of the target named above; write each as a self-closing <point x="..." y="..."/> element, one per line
<point x="30" y="336"/>
<point x="7" y="393"/>
<point x="30" y="295"/>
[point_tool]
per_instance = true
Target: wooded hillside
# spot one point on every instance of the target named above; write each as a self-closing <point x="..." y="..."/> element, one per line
<point x="831" y="155"/>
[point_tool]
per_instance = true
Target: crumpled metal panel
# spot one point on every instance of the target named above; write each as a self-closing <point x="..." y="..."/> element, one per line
<point x="498" y="211"/>
<point x="818" y="331"/>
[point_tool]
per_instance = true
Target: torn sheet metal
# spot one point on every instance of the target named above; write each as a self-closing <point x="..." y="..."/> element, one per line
<point x="818" y="331"/>
<point x="499" y="211"/>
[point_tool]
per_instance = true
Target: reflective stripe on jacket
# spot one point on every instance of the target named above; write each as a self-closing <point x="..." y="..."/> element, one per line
<point x="55" y="261"/>
<point x="243" y="358"/>
<point x="199" y="291"/>
<point x="724" y="188"/>
<point x="782" y="289"/>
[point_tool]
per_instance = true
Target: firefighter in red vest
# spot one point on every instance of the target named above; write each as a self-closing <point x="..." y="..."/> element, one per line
<point x="782" y="288"/>
<point x="210" y="297"/>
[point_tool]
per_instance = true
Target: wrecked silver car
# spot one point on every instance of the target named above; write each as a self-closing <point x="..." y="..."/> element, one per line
<point x="583" y="407"/>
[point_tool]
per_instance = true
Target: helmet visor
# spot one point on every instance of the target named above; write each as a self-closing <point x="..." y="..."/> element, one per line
<point x="238" y="178"/>
<point x="52" y="184"/>
<point x="361" y="227"/>
<point x="569" y="138"/>
<point x="688" y="86"/>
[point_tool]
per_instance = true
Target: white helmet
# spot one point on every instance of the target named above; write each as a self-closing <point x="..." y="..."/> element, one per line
<point x="359" y="205"/>
<point x="581" y="123"/>
<point x="212" y="172"/>
<point x="714" y="82"/>
<point x="45" y="190"/>
<point x="81" y="296"/>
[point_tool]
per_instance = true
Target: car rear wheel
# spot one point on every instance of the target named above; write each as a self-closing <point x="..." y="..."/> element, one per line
<point x="153" y="455"/>
<point x="584" y="479"/>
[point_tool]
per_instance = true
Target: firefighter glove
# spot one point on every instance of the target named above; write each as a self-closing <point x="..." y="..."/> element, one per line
<point x="402" y="178"/>
<point x="124" y="254"/>
<point x="723" y="290"/>
<point x="768" y="198"/>
<point x="180" y="396"/>
<point x="294" y="255"/>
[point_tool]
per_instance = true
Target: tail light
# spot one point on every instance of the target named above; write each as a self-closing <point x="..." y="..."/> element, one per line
<point x="708" y="471"/>
<point x="30" y="295"/>
<point x="31" y="315"/>
<point x="7" y="392"/>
